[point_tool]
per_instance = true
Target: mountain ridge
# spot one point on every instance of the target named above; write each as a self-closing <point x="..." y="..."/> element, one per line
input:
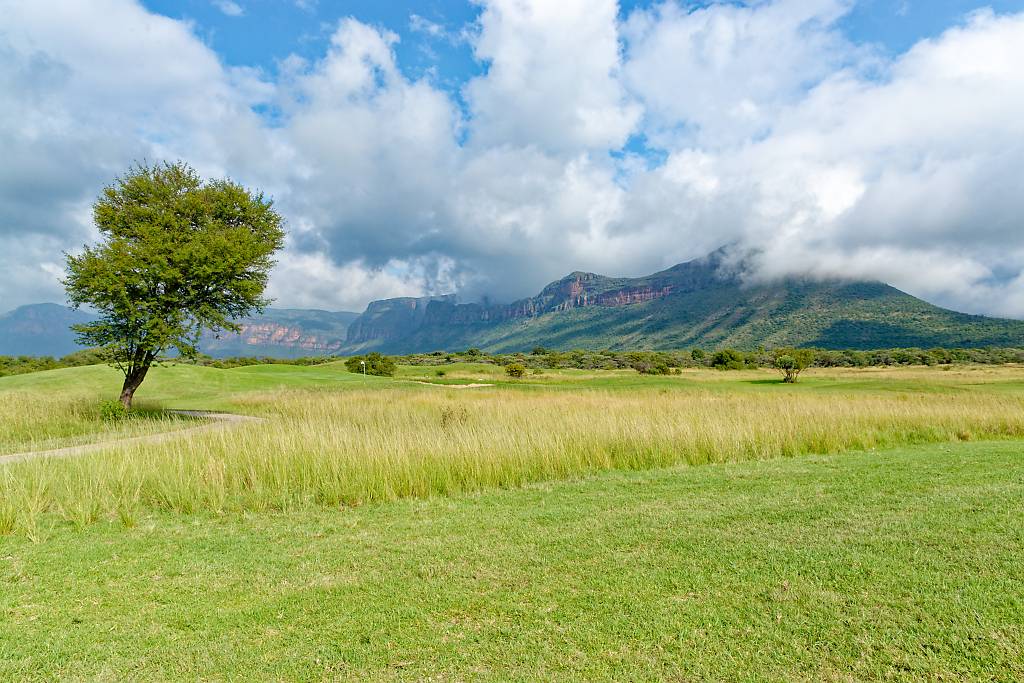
<point x="697" y="303"/>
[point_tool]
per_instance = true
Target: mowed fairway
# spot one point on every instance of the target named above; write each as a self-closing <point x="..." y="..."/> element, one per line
<point x="553" y="528"/>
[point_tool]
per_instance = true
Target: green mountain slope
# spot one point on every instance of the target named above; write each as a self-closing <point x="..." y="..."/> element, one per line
<point x="691" y="304"/>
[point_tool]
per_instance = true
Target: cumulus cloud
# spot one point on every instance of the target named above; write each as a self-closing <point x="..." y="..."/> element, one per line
<point x="761" y="125"/>
<point x="82" y="99"/>
<point x="906" y="175"/>
<point x="721" y="74"/>
<point x="552" y="76"/>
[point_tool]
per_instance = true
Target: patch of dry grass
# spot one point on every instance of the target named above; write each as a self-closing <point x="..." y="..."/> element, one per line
<point x="34" y="421"/>
<point x="362" y="446"/>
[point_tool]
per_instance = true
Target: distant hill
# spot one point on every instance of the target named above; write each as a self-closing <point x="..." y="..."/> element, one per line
<point x="698" y="303"/>
<point x="43" y="330"/>
<point x="39" y="330"/>
<point x="691" y="304"/>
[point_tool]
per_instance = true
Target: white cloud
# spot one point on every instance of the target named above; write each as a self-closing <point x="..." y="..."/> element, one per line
<point x="418" y="24"/>
<point x="919" y="162"/>
<point x="772" y="130"/>
<point x="721" y="74"/>
<point x="552" y="76"/>
<point x="229" y="7"/>
<point x="308" y="280"/>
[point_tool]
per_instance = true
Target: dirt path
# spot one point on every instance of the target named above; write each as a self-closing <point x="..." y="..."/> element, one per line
<point x="216" y="421"/>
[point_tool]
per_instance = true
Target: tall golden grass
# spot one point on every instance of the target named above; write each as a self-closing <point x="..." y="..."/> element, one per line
<point x="33" y="421"/>
<point x="355" y="447"/>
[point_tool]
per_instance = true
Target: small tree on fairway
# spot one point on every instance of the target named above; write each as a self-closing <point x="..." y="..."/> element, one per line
<point x="515" y="370"/>
<point x="791" y="362"/>
<point x="178" y="255"/>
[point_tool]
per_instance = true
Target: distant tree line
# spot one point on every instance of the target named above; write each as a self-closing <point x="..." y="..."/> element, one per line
<point x="19" y="365"/>
<point x="664" y="362"/>
<point x="645" y="362"/>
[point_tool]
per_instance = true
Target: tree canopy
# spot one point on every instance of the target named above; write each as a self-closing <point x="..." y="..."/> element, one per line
<point x="791" y="362"/>
<point x="372" y="364"/>
<point x="178" y="255"/>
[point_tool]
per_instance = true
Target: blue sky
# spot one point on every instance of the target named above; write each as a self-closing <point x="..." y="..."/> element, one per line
<point x="488" y="148"/>
<point x="269" y="30"/>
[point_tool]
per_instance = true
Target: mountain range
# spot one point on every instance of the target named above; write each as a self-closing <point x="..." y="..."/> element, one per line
<point x="44" y="330"/>
<point x="698" y="303"/>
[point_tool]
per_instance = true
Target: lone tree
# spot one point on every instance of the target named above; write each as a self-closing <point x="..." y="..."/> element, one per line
<point x="791" y="362"/>
<point x="178" y="255"/>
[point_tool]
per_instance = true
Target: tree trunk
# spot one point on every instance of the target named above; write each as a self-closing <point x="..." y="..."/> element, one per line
<point x="132" y="380"/>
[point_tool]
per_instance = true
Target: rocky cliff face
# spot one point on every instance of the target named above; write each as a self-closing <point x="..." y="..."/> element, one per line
<point x="391" y="319"/>
<point x="284" y="333"/>
<point x="265" y="335"/>
<point x="390" y="323"/>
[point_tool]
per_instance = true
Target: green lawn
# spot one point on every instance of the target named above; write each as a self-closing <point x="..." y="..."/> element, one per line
<point x="902" y="565"/>
<point x="188" y="386"/>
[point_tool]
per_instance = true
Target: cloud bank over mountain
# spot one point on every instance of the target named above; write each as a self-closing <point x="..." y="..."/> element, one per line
<point x="593" y="139"/>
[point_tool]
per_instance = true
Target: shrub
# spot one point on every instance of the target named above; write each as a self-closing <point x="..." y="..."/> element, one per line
<point x="515" y="370"/>
<point x="376" y="364"/>
<point x="791" y="362"/>
<point x="728" y="359"/>
<point x="112" y="411"/>
<point x="651" y="367"/>
<point x="440" y="373"/>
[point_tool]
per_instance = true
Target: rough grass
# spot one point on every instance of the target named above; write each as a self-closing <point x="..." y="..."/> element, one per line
<point x="888" y="566"/>
<point x="331" y="448"/>
<point x="34" y="421"/>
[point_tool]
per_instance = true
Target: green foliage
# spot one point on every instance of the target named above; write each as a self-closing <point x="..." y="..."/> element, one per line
<point x="581" y="360"/>
<point x="724" y="359"/>
<point x="515" y="370"/>
<point x="729" y="359"/>
<point x="112" y="411"/>
<point x="245" y="361"/>
<point x="373" y="364"/>
<point x="18" y="365"/>
<point x="649" y="363"/>
<point x="178" y="255"/>
<point x="791" y="362"/>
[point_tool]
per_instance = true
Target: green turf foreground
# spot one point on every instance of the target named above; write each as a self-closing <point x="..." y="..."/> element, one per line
<point x="903" y="565"/>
